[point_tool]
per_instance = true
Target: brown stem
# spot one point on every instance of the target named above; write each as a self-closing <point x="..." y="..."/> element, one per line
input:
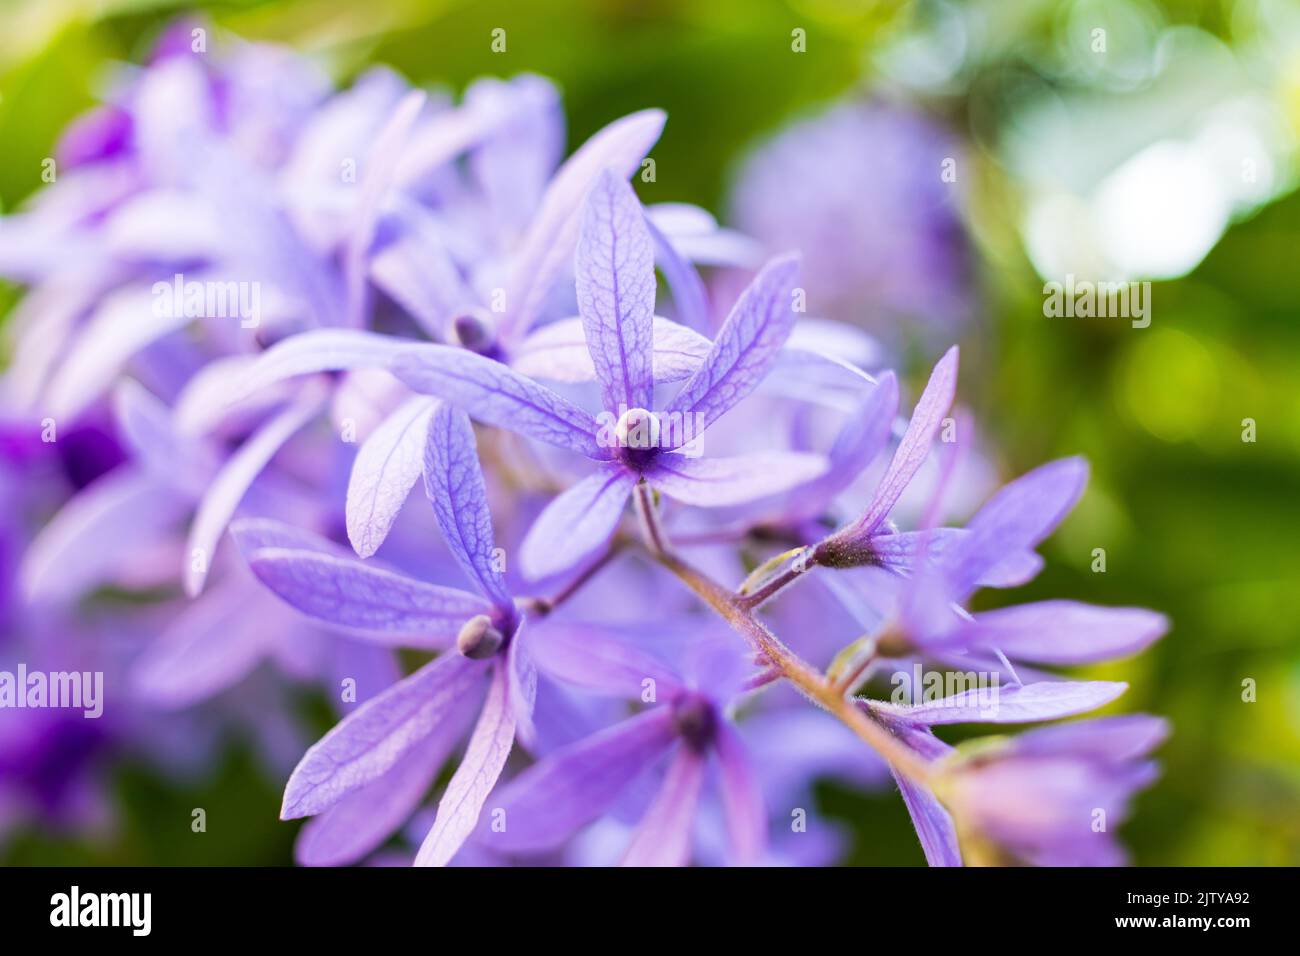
<point x="809" y="681"/>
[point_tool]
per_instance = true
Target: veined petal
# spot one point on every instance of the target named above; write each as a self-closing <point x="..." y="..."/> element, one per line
<point x="346" y="592"/>
<point x="746" y="345"/>
<point x="558" y="351"/>
<point x="663" y="837"/>
<point x="576" y="523"/>
<point x="616" y="292"/>
<point x="360" y="823"/>
<point x="489" y="746"/>
<point x="553" y="799"/>
<point x="319" y="350"/>
<point x="548" y="247"/>
<point x="710" y="482"/>
<point x="387" y="465"/>
<point x="371" y="739"/>
<point x="454" y="484"/>
<point x="498" y="395"/>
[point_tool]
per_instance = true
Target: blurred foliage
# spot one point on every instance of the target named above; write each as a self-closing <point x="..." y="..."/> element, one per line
<point x="1194" y="521"/>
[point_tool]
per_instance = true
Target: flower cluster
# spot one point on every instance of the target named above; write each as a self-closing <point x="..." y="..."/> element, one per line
<point x="285" y="310"/>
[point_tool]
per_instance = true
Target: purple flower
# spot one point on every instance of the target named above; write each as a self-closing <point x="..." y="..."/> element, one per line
<point x="616" y="290"/>
<point x="1053" y="796"/>
<point x="860" y="191"/>
<point x="385" y="753"/>
<point x="687" y="729"/>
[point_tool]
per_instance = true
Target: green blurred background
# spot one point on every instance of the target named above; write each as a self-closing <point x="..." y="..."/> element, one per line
<point x="1195" y="522"/>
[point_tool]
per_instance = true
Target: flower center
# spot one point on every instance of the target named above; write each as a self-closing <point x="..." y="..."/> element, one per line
<point x="475" y="330"/>
<point x="478" y="638"/>
<point x="695" y="720"/>
<point x="637" y="434"/>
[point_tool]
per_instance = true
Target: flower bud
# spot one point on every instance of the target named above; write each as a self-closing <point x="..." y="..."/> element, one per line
<point x="478" y="639"/>
<point x="474" y="330"/>
<point x="637" y="428"/>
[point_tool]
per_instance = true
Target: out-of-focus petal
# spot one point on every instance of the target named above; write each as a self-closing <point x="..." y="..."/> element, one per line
<point x="663" y="837"/>
<point x="576" y="523"/>
<point x="555" y="798"/>
<point x="710" y="482"/>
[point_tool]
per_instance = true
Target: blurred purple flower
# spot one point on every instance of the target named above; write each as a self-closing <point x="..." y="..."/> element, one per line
<point x="859" y="190"/>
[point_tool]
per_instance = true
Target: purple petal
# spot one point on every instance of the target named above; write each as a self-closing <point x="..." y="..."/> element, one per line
<point x="360" y="823"/>
<point x="547" y="250"/>
<point x="710" y="482"/>
<point x="416" y="269"/>
<point x="1065" y="632"/>
<point x="914" y="446"/>
<point x="387" y="465"/>
<point x="379" y="174"/>
<point x="232" y="482"/>
<point x="746" y="345"/>
<point x="577" y="523"/>
<point x="68" y="556"/>
<point x="1112" y="740"/>
<point x="742" y="799"/>
<point x="320" y="350"/>
<point x="558" y="351"/>
<point x="1027" y="703"/>
<point x="689" y="294"/>
<point x="616" y="293"/>
<point x="593" y="657"/>
<point x="1016" y="519"/>
<point x="453" y="481"/>
<point x="934" y="827"/>
<point x="489" y="746"/>
<point x="555" y="798"/>
<point x="348" y="593"/>
<point x="370" y="740"/>
<point x="253" y="534"/>
<point x="122" y="325"/>
<point x="521" y="685"/>
<point x="212" y="644"/>
<point x="497" y="395"/>
<point x="663" y="837"/>
<point x="385" y="468"/>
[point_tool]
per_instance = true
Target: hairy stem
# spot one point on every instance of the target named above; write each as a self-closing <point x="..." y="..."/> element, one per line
<point x="808" y="680"/>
